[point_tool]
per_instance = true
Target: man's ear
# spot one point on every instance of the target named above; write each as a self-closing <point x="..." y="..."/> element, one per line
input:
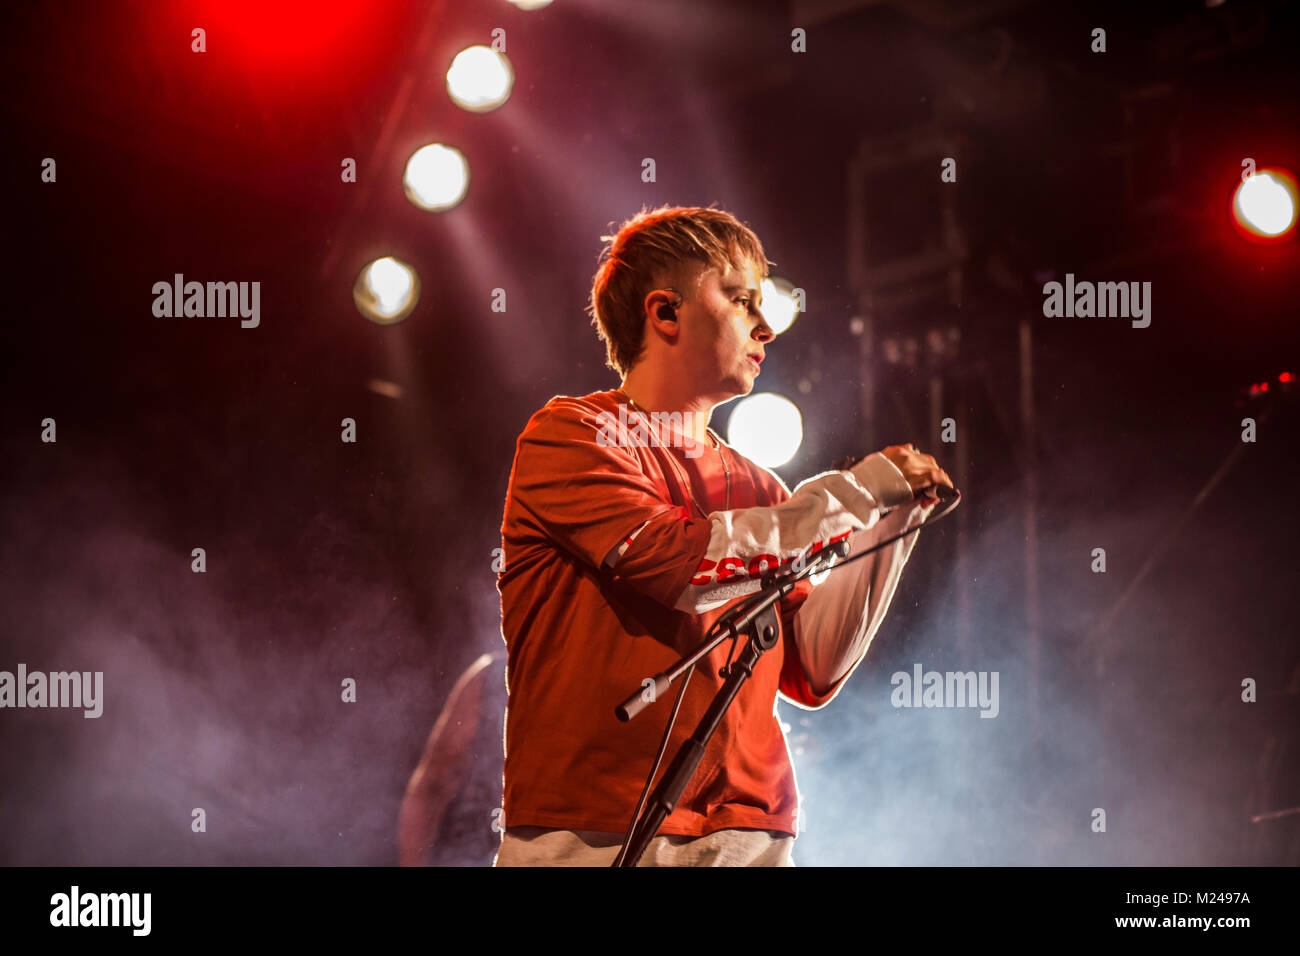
<point x="661" y="311"/>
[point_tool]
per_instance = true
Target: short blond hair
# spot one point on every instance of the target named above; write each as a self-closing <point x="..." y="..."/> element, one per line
<point x="656" y="245"/>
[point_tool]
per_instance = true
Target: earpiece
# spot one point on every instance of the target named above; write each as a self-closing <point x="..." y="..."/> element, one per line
<point x="668" y="313"/>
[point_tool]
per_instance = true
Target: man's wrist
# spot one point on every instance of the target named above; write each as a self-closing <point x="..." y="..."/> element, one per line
<point x="883" y="481"/>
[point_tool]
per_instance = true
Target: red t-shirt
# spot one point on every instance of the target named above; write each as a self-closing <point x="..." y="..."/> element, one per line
<point x="581" y="638"/>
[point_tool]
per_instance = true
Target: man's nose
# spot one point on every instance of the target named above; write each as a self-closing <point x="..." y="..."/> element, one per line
<point x="763" y="332"/>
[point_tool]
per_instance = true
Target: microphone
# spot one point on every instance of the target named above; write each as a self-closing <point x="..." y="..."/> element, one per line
<point x="943" y="491"/>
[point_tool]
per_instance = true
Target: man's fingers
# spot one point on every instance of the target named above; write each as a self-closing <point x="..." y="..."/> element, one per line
<point x="929" y="478"/>
<point x="921" y="470"/>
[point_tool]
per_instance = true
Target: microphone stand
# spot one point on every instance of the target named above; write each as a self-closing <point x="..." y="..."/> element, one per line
<point x="755" y="618"/>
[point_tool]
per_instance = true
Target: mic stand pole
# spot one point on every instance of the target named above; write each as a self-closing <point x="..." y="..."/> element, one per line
<point x="757" y="619"/>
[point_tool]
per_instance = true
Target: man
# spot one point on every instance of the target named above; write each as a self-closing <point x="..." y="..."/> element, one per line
<point x="629" y="524"/>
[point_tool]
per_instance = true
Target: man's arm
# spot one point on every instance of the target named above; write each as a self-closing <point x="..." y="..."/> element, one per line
<point x="592" y="498"/>
<point x="443" y="766"/>
<point x="848" y="608"/>
<point x="835" y="625"/>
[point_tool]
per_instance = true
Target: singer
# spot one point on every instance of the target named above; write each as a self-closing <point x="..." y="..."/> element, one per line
<point x="619" y="555"/>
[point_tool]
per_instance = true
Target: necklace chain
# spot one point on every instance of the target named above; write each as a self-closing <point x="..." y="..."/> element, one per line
<point x="686" y="482"/>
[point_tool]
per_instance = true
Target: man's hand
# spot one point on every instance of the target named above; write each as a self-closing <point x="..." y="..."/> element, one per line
<point x="921" y="471"/>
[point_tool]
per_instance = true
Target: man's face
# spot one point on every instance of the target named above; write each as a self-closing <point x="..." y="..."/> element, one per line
<point x="722" y="331"/>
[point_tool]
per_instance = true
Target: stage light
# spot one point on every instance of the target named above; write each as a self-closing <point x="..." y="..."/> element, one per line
<point x="766" y="428"/>
<point x="779" y="305"/>
<point x="386" y="290"/>
<point x="1264" y="204"/>
<point x="479" y="79"/>
<point x="298" y="38"/>
<point x="436" y="177"/>
<point x="531" y="4"/>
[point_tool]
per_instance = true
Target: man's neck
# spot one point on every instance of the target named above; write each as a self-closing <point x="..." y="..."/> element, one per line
<point x="656" y="393"/>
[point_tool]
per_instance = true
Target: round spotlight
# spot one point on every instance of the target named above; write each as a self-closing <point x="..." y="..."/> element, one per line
<point x="386" y="290"/>
<point x="766" y="428"/>
<point x="531" y="4"/>
<point x="779" y="305"/>
<point x="436" y="177"/>
<point x="479" y="79"/>
<point x="1264" y="204"/>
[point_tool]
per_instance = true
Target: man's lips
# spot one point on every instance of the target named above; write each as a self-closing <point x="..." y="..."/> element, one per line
<point x="756" y="359"/>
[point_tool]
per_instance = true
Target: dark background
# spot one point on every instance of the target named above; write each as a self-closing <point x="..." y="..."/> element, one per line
<point x="373" y="560"/>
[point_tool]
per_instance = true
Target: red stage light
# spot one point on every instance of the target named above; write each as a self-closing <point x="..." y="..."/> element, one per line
<point x="281" y="32"/>
<point x="1264" y="205"/>
<point x="301" y="48"/>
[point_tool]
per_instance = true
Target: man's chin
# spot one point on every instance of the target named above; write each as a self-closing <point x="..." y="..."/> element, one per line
<point x="734" y="389"/>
